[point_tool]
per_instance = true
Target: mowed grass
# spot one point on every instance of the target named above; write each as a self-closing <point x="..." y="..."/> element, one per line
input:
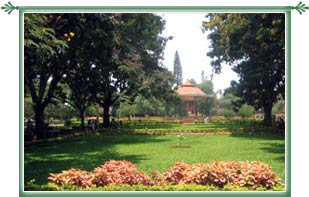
<point x="150" y="152"/>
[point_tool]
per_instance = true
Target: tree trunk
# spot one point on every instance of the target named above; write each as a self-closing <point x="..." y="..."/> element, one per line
<point x="267" y="115"/>
<point x="39" y="122"/>
<point x="82" y="119"/>
<point x="106" y="121"/>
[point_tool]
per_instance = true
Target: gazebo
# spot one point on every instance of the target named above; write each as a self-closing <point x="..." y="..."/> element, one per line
<point x="191" y="96"/>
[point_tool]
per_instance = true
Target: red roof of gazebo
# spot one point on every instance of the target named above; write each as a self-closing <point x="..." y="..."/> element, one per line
<point x="189" y="90"/>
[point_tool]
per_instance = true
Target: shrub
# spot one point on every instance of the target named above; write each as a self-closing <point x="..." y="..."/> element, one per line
<point x="245" y="174"/>
<point x="225" y="175"/>
<point x="110" y="173"/>
<point x="72" y="176"/>
<point x="246" y="111"/>
<point x="182" y="187"/>
<point x="118" y="173"/>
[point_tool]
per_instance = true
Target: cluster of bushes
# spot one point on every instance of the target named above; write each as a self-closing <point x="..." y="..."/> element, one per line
<point x="111" y="173"/>
<point x="251" y="175"/>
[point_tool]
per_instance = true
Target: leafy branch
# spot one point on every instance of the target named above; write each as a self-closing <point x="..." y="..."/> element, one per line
<point x="9" y="7"/>
<point x="301" y="7"/>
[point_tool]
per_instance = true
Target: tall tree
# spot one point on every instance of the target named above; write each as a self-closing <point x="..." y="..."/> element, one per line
<point x="78" y="77"/>
<point x="124" y="50"/>
<point x="254" y="44"/>
<point x="177" y="70"/>
<point x="43" y="47"/>
<point x="203" y="77"/>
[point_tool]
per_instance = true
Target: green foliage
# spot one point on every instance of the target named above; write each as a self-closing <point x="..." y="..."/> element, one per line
<point x="101" y="57"/>
<point x="150" y="106"/>
<point x="43" y="66"/>
<point x="254" y="44"/>
<point x="246" y="111"/>
<point x="278" y="107"/>
<point x="184" y="187"/>
<point x="127" y="109"/>
<point x="206" y="107"/>
<point x="177" y="70"/>
<point x="226" y="104"/>
<point x="227" y="113"/>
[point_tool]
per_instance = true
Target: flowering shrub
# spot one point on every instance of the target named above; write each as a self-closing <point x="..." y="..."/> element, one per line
<point x="72" y="176"/>
<point x="111" y="173"/>
<point x="117" y="173"/>
<point x="249" y="174"/>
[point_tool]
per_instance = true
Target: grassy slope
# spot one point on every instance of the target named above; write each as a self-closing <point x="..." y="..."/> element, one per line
<point x="150" y="153"/>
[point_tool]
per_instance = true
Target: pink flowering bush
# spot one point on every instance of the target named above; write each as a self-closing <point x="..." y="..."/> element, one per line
<point x="249" y="174"/>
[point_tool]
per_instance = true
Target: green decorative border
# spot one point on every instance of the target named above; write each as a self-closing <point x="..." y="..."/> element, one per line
<point x="300" y="8"/>
<point x="9" y="8"/>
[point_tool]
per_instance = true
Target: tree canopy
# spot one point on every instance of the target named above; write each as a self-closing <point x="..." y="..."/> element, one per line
<point x="254" y="45"/>
<point x="101" y="58"/>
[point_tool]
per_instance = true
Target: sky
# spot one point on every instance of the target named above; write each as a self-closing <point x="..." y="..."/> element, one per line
<point x="192" y="45"/>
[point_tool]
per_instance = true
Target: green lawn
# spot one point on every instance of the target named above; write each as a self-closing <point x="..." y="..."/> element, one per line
<point x="150" y="152"/>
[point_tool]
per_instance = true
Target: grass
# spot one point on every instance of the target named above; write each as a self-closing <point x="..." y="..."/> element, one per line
<point x="149" y="152"/>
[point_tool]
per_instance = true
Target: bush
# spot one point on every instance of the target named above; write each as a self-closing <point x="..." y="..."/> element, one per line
<point x="244" y="174"/>
<point x="72" y="176"/>
<point x="111" y="173"/>
<point x="118" y="173"/>
<point x="186" y="187"/>
<point x="226" y="175"/>
<point x="246" y="111"/>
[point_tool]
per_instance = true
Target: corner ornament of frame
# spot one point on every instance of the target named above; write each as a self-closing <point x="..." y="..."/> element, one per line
<point x="301" y="7"/>
<point x="9" y="7"/>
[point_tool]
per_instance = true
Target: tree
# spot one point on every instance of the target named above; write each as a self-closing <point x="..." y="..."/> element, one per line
<point x="78" y="77"/>
<point x="226" y="104"/>
<point x="207" y="87"/>
<point x="254" y="44"/>
<point x="177" y="70"/>
<point x="124" y="50"/>
<point x="246" y="111"/>
<point x="127" y="109"/>
<point x="203" y="77"/>
<point x="43" y="47"/>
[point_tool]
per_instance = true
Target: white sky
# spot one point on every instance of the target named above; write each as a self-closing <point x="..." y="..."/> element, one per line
<point x="192" y="45"/>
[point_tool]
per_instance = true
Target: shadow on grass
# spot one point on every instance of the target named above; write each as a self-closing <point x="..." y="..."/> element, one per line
<point x="85" y="152"/>
<point x="275" y="148"/>
<point x="259" y="136"/>
<point x="270" y="143"/>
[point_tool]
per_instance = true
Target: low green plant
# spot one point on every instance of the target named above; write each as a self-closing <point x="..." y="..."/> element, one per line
<point x="125" y="187"/>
